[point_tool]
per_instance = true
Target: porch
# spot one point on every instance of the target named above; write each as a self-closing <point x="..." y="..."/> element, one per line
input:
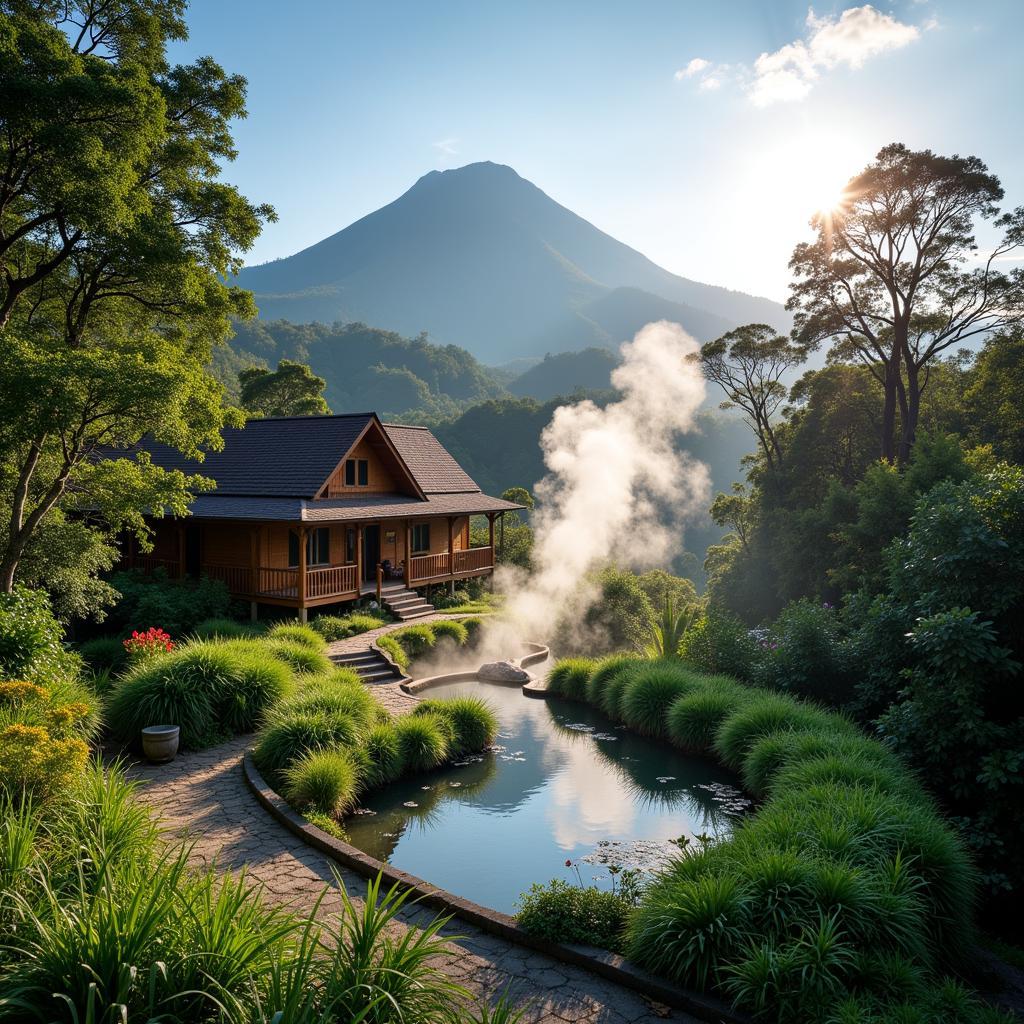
<point x="316" y="565"/>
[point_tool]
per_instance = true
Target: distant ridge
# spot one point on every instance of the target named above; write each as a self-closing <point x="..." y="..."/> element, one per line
<point x="482" y="258"/>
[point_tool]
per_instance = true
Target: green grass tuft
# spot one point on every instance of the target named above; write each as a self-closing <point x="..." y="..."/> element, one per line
<point x="693" y="720"/>
<point x="649" y="692"/>
<point x="287" y="737"/>
<point x="295" y="633"/>
<point x="422" y="741"/>
<point x="568" y="678"/>
<point x="326" y="781"/>
<point x="450" y="629"/>
<point x="473" y="722"/>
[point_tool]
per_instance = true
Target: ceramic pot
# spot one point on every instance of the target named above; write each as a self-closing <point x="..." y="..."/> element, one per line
<point x="160" y="742"/>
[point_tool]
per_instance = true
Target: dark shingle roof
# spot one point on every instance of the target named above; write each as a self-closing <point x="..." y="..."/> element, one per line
<point x="287" y="456"/>
<point x="435" y="469"/>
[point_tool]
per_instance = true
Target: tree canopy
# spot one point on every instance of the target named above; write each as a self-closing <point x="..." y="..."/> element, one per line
<point x="290" y="390"/>
<point x="116" y="239"/>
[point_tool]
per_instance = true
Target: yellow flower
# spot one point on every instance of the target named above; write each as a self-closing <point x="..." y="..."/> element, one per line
<point x="31" y="760"/>
<point x="17" y="693"/>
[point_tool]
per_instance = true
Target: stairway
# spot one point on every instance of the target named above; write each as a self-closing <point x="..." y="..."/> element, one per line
<point x="406" y="604"/>
<point x="370" y="666"/>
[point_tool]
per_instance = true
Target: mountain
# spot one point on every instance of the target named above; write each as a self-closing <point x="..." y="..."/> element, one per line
<point x="482" y="258"/>
<point x="566" y="372"/>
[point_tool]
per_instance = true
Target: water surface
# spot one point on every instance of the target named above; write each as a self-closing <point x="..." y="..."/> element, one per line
<point x="563" y="783"/>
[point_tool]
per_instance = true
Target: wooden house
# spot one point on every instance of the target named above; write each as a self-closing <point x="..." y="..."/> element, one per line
<point x="317" y="510"/>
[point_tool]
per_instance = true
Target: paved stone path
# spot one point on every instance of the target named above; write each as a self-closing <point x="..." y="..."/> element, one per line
<point x="203" y="797"/>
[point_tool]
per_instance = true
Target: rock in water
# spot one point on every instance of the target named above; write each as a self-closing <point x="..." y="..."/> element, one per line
<point x="503" y="672"/>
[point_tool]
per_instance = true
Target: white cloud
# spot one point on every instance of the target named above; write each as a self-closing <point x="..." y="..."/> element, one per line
<point x="447" y="147"/>
<point x="710" y="83"/>
<point x="695" y="67"/>
<point x="858" y="34"/>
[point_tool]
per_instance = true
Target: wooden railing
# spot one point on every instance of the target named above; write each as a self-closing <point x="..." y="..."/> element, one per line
<point x="432" y="567"/>
<point x="148" y="563"/>
<point x="237" y="578"/>
<point x="472" y="559"/>
<point x="428" y="567"/>
<point x="278" y="582"/>
<point x="331" y="581"/>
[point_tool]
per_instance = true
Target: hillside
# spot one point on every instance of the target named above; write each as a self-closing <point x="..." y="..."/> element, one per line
<point x="367" y="368"/>
<point x="566" y="372"/>
<point x="482" y="258"/>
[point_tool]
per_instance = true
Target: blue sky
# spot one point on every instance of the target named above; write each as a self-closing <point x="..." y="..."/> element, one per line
<point x="709" y="169"/>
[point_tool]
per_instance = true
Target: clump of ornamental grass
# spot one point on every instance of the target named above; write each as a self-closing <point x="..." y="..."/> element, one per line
<point x="450" y="629"/>
<point x="568" y="678"/>
<point x="415" y="640"/>
<point x="288" y="736"/>
<point x="649" y="692"/>
<point x="326" y="781"/>
<point x="225" y="629"/>
<point x="296" y="633"/>
<point x="605" y="670"/>
<point x="339" y="627"/>
<point x="473" y="722"/>
<point x="763" y="713"/>
<point x="693" y="720"/>
<point x="300" y="657"/>
<point x="423" y="741"/>
<point x="383" y="749"/>
<point x="394" y="650"/>
<point x="322" y="694"/>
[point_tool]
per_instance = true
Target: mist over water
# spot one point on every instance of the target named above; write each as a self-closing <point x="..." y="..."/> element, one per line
<point x="617" y="489"/>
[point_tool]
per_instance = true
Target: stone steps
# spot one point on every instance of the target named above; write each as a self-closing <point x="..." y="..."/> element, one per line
<point x="406" y="604"/>
<point x="369" y="666"/>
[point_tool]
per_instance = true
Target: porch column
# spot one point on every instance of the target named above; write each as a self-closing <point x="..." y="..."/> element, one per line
<point x="490" y="534"/>
<point x="359" y="557"/>
<point x="451" y="555"/>
<point x="254" y="570"/>
<point x="301" y="588"/>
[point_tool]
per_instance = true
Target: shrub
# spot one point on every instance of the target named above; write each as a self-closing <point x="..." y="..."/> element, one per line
<point x="339" y="627"/>
<point x="104" y="653"/>
<point x="304" y="636"/>
<point x="287" y="737"/>
<point x="569" y="677"/>
<point x="30" y="639"/>
<point x="207" y="688"/>
<point x="805" y="654"/>
<point x="604" y="671"/>
<point x="383" y="755"/>
<point x="178" y="605"/>
<point x="225" y="629"/>
<point x="473" y="721"/>
<point x="35" y="763"/>
<point x="763" y="713"/>
<point x="299" y="656"/>
<point x="324" y="780"/>
<point x="450" y="629"/>
<point x="693" y="720"/>
<point x="649" y="691"/>
<point x="394" y="650"/>
<point x="561" y="912"/>
<point x="415" y="640"/>
<point x="610" y="698"/>
<point x="719" y="643"/>
<point x="422" y="741"/>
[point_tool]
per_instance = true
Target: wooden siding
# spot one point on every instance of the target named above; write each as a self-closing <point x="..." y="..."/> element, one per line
<point x="381" y="479"/>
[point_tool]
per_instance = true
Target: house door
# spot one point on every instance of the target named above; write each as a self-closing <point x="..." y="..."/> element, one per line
<point x="193" y="551"/>
<point x="371" y="551"/>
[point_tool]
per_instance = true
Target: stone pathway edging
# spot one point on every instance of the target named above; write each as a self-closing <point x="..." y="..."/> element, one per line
<point x="608" y="965"/>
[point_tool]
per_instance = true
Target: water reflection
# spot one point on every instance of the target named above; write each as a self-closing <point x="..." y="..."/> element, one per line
<point x="563" y="782"/>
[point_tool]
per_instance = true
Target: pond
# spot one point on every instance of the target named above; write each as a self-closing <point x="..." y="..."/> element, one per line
<point x="562" y="783"/>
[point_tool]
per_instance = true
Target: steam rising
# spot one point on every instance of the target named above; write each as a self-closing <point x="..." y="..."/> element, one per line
<point x="617" y="489"/>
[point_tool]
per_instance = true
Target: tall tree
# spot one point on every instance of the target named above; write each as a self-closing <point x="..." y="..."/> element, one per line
<point x="748" y="364"/>
<point x="116" y="239"/>
<point x="290" y="390"/>
<point x="893" y="278"/>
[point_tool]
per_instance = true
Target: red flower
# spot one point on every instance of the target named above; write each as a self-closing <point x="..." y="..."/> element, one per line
<point x="153" y="641"/>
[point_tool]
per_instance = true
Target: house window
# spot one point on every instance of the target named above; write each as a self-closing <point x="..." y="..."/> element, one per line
<point x="318" y="547"/>
<point x="350" y="546"/>
<point x="357" y="473"/>
<point x="421" y="539"/>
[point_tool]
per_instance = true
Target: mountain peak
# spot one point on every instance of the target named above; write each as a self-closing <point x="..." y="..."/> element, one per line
<point x="479" y="256"/>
